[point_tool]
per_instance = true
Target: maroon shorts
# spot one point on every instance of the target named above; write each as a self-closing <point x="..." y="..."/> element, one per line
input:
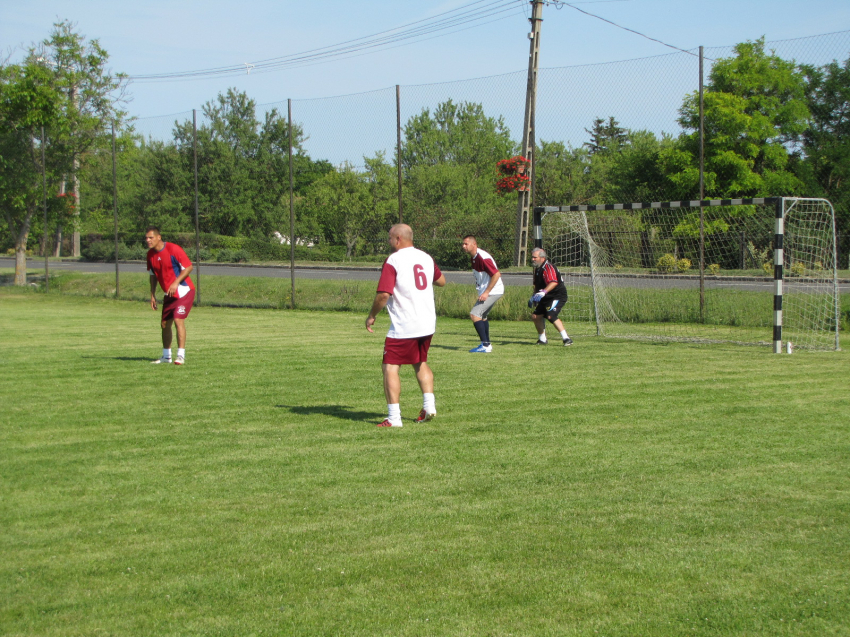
<point x="175" y="308"/>
<point x="406" y="351"/>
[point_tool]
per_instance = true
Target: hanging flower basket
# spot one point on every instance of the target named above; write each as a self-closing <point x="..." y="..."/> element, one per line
<point x="512" y="183"/>
<point x="516" y="165"/>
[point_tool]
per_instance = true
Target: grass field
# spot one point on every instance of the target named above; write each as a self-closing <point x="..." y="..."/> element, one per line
<point x="612" y="488"/>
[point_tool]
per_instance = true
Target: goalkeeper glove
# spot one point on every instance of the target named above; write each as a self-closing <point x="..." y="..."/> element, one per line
<point x="537" y="296"/>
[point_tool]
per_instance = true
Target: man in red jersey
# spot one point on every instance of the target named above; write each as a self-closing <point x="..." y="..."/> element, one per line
<point x="169" y="266"/>
<point x="406" y="289"/>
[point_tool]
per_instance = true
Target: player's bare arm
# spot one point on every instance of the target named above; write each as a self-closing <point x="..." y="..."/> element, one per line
<point x="441" y="282"/>
<point x="153" y="292"/>
<point x="381" y="299"/>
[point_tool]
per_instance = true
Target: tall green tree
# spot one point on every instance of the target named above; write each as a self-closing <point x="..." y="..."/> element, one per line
<point x="243" y="166"/>
<point x="449" y="160"/>
<point x="355" y="207"/>
<point x="606" y="137"/>
<point x="63" y="86"/>
<point x="754" y="107"/>
<point x="29" y="103"/>
<point x="94" y="95"/>
<point x="826" y="143"/>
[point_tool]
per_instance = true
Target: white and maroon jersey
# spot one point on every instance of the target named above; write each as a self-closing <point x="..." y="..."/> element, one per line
<point x="484" y="268"/>
<point x="408" y="275"/>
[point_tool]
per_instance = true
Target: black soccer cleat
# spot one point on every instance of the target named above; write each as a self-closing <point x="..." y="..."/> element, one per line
<point x="568" y="341"/>
<point x="539" y="342"/>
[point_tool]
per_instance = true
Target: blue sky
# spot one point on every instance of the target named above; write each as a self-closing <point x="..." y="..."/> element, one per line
<point x="157" y="36"/>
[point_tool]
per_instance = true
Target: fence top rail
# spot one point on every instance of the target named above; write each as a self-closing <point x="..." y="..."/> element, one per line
<point x="696" y="203"/>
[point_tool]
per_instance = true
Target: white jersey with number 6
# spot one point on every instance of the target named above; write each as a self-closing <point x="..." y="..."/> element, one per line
<point x="408" y="275"/>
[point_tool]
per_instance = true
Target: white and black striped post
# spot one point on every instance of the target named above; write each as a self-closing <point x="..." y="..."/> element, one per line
<point x="537" y="220"/>
<point x="778" y="260"/>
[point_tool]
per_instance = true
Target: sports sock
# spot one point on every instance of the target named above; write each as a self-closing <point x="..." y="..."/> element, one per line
<point x="166" y="353"/>
<point x="486" y="339"/>
<point x="393" y="412"/>
<point x="429" y="403"/>
<point x="542" y="337"/>
<point x="481" y="328"/>
<point x="181" y="351"/>
<point x="564" y="334"/>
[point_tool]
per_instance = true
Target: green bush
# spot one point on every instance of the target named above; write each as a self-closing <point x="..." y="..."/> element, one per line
<point x="797" y="268"/>
<point x="105" y="251"/>
<point x="683" y="265"/>
<point x="666" y="263"/>
<point x="714" y="269"/>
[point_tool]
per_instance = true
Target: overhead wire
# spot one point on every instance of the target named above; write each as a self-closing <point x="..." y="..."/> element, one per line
<point x="461" y="18"/>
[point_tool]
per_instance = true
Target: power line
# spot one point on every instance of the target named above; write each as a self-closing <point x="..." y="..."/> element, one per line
<point x="559" y="4"/>
<point x="461" y="18"/>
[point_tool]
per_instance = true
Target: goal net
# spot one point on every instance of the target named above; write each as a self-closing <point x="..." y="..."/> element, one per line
<point x="755" y="271"/>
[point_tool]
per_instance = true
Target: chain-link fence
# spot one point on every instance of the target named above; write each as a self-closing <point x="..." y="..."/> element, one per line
<point x="603" y="133"/>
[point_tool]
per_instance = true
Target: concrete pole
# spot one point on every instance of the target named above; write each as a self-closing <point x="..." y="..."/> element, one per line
<point x="524" y="196"/>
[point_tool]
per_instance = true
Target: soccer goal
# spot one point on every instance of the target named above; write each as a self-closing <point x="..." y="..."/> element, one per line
<point x="755" y="271"/>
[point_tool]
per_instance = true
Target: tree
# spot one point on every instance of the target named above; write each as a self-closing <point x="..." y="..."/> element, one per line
<point x="449" y="161"/>
<point x="754" y="108"/>
<point x="352" y="206"/>
<point x="92" y="93"/>
<point x="826" y="143"/>
<point x="243" y="166"/>
<point x="458" y="134"/>
<point x="606" y="137"/>
<point x="62" y="87"/>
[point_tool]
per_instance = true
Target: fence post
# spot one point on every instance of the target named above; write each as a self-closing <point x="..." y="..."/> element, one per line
<point x="115" y="210"/>
<point x="44" y="192"/>
<point x="701" y="193"/>
<point x="197" y="226"/>
<point x="398" y="148"/>
<point x="291" y="210"/>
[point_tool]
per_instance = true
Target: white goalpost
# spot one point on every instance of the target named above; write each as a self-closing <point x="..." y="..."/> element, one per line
<point x="750" y="271"/>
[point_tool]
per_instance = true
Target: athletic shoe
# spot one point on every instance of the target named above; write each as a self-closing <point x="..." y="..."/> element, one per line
<point x="539" y="342"/>
<point x="179" y="360"/>
<point x="481" y="349"/>
<point x="568" y="341"/>
<point x="164" y="359"/>
<point x="387" y="423"/>
<point x="424" y="416"/>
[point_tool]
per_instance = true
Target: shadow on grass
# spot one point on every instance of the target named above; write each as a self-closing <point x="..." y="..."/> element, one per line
<point x="337" y="411"/>
<point x="121" y="358"/>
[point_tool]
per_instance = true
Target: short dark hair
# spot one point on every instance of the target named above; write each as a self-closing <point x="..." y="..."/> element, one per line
<point x="153" y="229"/>
<point x="470" y="236"/>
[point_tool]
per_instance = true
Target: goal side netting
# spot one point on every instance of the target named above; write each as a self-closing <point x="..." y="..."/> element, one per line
<point x="750" y="271"/>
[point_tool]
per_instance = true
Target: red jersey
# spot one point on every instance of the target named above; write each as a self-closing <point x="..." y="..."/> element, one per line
<point x="167" y="264"/>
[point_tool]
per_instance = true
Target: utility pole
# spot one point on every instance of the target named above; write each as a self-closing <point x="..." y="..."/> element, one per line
<point x="524" y="199"/>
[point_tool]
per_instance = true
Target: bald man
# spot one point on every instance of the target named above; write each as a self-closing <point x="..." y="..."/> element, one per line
<point x="406" y="289"/>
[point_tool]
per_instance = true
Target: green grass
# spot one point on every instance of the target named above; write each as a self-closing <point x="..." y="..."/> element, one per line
<point x="671" y="312"/>
<point x="612" y="488"/>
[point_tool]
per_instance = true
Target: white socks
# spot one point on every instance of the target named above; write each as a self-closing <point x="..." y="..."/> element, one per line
<point x="181" y="351"/>
<point x="394" y="413"/>
<point x="429" y="403"/>
<point x="166" y="353"/>
<point x="564" y="334"/>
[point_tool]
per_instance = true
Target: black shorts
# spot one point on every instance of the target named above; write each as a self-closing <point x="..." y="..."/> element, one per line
<point x="549" y="308"/>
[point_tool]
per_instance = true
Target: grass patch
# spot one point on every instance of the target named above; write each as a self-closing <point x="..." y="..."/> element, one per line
<point x="612" y="488"/>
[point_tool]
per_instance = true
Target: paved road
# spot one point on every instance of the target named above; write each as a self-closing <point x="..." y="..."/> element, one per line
<point x="371" y="274"/>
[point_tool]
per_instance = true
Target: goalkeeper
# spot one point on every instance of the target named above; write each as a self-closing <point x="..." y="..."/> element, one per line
<point x="549" y="297"/>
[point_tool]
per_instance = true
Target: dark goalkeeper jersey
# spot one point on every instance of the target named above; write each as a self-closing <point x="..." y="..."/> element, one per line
<point x="544" y="275"/>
